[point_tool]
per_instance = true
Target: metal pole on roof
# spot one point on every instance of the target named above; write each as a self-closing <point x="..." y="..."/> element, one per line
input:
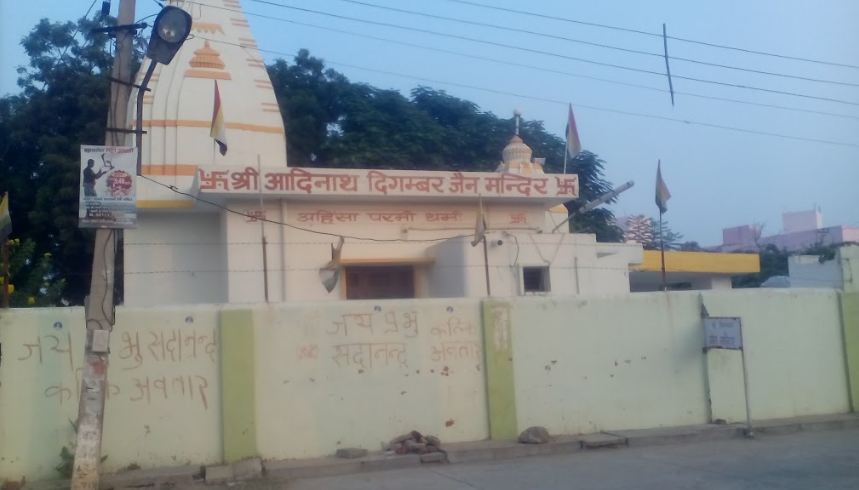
<point x="596" y="202"/>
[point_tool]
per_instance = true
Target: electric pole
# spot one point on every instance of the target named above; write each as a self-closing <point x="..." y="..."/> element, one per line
<point x="99" y="309"/>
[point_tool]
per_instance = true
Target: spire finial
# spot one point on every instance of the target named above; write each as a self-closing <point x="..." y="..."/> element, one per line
<point x="517" y="114"/>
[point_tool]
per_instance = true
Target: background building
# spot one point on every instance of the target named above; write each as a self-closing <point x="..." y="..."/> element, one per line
<point x="800" y="230"/>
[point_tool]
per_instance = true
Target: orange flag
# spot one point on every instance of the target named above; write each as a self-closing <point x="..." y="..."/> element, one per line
<point x="574" y="145"/>
<point x="662" y="193"/>
<point x="217" y="131"/>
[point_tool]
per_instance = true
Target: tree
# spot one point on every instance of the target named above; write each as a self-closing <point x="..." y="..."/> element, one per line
<point x="691" y="246"/>
<point x="638" y="229"/>
<point x="62" y="105"/>
<point x="773" y="263"/>
<point x="646" y="231"/>
<point x="664" y="235"/>
<point x="34" y="277"/>
<point x="332" y="122"/>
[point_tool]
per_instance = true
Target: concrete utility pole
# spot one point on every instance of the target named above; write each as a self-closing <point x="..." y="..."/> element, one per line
<point x="99" y="305"/>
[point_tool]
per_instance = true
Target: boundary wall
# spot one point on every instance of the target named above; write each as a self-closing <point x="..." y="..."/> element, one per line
<point x="201" y="385"/>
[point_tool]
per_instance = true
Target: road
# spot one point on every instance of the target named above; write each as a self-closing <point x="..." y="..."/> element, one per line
<point x="801" y="461"/>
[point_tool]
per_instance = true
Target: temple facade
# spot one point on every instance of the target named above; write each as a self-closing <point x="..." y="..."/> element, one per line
<point x="245" y="227"/>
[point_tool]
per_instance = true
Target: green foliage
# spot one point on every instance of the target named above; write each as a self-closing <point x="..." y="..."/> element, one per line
<point x="66" y="465"/>
<point x="647" y="232"/>
<point x="34" y="277"/>
<point x="332" y="122"/>
<point x="773" y="263"/>
<point x="62" y="105"/>
<point x="691" y="246"/>
<point x="672" y="239"/>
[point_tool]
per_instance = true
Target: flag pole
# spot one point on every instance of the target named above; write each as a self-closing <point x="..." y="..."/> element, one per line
<point x="662" y="251"/>
<point x="486" y="266"/>
<point x="566" y="143"/>
<point x="5" y="247"/>
<point x="566" y="151"/>
<point x="262" y="231"/>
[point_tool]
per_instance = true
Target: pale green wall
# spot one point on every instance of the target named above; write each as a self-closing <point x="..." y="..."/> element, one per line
<point x="615" y="362"/>
<point x="500" y="380"/>
<point x="300" y="380"/>
<point x="849" y="257"/>
<point x="794" y="351"/>
<point x="319" y="387"/>
<point x="238" y="390"/>
<point x="850" y="319"/>
<point x="635" y="361"/>
<point x="164" y="405"/>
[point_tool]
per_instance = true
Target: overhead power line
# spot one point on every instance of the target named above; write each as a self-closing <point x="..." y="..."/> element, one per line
<point x="556" y="55"/>
<point x="557" y="101"/>
<point x="596" y="44"/>
<point x="544" y="69"/>
<point x="539" y="68"/>
<point x="176" y="190"/>
<point x="654" y="34"/>
<point x="74" y="35"/>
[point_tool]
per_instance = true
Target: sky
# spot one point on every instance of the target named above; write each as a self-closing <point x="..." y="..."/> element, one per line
<point x="718" y="178"/>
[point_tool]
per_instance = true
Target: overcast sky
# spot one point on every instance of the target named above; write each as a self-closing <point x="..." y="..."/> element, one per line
<point x="718" y="178"/>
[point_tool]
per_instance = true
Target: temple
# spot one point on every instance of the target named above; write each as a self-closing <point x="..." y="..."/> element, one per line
<point x="245" y="227"/>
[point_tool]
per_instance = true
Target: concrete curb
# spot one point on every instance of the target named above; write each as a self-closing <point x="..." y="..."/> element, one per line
<point x="309" y="468"/>
<point x="471" y="452"/>
<point x="468" y="452"/>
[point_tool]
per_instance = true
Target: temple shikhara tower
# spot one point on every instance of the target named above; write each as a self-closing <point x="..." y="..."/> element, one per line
<point x="403" y="233"/>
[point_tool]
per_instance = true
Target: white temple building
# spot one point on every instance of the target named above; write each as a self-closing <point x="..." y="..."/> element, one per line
<point x="405" y="233"/>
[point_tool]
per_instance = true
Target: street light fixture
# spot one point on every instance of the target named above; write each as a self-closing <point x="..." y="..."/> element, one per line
<point x="169" y="32"/>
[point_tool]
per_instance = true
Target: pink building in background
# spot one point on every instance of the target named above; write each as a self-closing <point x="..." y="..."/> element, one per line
<point x="801" y="230"/>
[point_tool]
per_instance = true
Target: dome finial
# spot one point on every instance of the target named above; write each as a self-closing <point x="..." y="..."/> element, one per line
<point x="517" y="114"/>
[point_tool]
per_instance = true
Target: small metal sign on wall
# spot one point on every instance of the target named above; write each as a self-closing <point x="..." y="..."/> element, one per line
<point x="726" y="332"/>
<point x="723" y="333"/>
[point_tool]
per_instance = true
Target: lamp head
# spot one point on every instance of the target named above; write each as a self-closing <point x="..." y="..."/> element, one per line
<point x="169" y="31"/>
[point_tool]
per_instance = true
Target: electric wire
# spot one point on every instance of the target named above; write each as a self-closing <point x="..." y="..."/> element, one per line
<point x="653" y="34"/>
<point x="558" y="55"/>
<point x="594" y="44"/>
<point x="176" y="190"/>
<point x="556" y="71"/>
<point x="561" y="102"/>
<point x="74" y="34"/>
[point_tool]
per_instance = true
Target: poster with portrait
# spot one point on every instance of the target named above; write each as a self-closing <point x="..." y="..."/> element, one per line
<point x="108" y="197"/>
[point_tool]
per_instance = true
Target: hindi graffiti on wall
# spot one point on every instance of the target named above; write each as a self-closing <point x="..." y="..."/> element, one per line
<point x="376" y="339"/>
<point x="108" y="197"/>
<point x="152" y="365"/>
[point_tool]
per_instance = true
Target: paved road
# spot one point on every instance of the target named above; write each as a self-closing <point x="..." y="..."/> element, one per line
<point x="802" y="461"/>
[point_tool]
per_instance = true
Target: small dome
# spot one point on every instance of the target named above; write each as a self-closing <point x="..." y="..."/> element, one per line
<point x="206" y="57"/>
<point x="516" y="151"/>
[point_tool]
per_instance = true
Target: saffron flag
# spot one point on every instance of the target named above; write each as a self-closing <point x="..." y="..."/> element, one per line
<point x="662" y="193"/>
<point x="217" y="131"/>
<point x="5" y="217"/>
<point x="480" y="224"/>
<point x="574" y="145"/>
